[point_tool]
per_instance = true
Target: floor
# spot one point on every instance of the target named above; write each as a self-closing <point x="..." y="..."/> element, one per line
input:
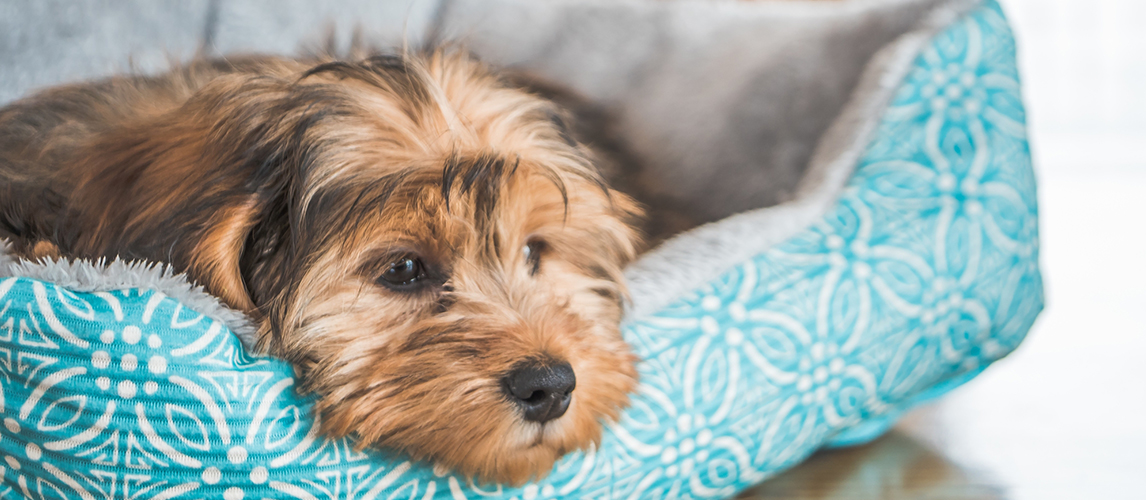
<point x="1065" y="416"/>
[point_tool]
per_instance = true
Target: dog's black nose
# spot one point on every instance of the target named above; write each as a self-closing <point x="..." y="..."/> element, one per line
<point x="542" y="390"/>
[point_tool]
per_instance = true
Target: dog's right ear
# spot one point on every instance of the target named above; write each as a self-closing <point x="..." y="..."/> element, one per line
<point x="217" y="257"/>
<point x="243" y="254"/>
<point x="247" y="254"/>
<point x="197" y="170"/>
<point x="258" y="141"/>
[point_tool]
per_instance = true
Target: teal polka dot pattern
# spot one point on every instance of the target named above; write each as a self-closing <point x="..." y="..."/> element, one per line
<point x="922" y="274"/>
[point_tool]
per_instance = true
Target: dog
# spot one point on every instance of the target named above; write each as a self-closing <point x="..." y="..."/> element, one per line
<point x="424" y="240"/>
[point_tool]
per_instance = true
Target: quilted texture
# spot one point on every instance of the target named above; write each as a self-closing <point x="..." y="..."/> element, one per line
<point x="923" y="274"/>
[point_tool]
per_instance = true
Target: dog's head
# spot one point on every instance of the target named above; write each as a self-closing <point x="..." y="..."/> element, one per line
<point x="423" y="241"/>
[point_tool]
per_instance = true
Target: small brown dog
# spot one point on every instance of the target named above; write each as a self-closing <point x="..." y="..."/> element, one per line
<point x="424" y="241"/>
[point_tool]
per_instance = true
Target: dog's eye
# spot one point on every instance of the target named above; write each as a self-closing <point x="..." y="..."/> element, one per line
<point x="532" y="251"/>
<point x="404" y="271"/>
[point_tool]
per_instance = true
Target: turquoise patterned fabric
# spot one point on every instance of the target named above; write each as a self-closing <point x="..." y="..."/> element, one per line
<point x="922" y="275"/>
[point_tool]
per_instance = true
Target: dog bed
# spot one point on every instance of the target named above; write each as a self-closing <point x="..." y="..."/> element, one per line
<point x="895" y="257"/>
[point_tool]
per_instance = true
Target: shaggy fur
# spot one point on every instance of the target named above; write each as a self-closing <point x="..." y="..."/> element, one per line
<point x="288" y="188"/>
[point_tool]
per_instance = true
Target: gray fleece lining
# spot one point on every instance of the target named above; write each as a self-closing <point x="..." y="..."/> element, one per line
<point x="100" y="276"/>
<point x="668" y="272"/>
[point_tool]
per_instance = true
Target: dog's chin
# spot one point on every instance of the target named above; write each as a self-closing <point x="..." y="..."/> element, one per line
<point x="530" y="450"/>
<point x="485" y="438"/>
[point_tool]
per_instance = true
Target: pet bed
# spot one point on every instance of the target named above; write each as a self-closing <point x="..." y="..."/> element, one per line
<point x="901" y="263"/>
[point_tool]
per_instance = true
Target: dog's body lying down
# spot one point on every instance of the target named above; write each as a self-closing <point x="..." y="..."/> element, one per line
<point x="424" y="241"/>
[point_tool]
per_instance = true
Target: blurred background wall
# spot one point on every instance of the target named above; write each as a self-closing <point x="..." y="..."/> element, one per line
<point x="43" y="42"/>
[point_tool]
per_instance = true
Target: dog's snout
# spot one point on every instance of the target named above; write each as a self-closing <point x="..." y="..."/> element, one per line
<point x="542" y="390"/>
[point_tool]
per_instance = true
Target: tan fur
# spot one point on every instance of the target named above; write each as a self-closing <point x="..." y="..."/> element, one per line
<point x="287" y="193"/>
<point x="216" y="256"/>
<point x="43" y="250"/>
